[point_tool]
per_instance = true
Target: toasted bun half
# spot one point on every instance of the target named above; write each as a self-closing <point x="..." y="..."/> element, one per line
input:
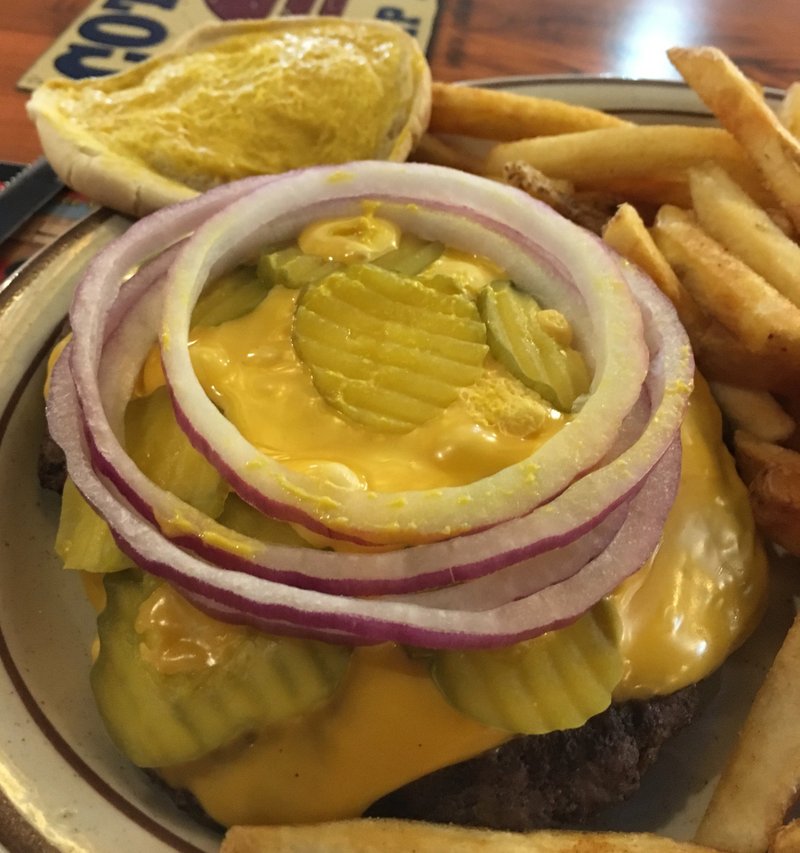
<point x="233" y="99"/>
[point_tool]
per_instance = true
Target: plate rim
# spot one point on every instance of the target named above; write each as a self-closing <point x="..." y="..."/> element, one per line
<point x="516" y="80"/>
<point x="15" y="829"/>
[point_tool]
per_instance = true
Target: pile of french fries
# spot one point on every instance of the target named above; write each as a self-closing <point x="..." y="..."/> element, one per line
<point x="712" y="214"/>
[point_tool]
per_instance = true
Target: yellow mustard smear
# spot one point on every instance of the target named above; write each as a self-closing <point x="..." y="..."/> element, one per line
<point x="299" y="96"/>
<point x="389" y="725"/>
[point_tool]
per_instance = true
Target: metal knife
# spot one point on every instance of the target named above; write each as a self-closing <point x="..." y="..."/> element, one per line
<point x="25" y="194"/>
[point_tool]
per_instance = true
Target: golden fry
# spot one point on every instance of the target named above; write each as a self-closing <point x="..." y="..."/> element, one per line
<point x="754" y="411"/>
<point x="718" y="352"/>
<point x="732" y="218"/>
<point x="775" y="499"/>
<point x="789" y="112"/>
<point x="627" y="234"/>
<point x="772" y="474"/>
<point x="638" y="162"/>
<point x="721" y="356"/>
<point x="786" y="839"/>
<point x="757" y="455"/>
<point x="791" y="404"/>
<point x="741" y="109"/>
<point x="397" y="836"/>
<point x="725" y="287"/>
<point x="503" y="116"/>
<point x="762" y="775"/>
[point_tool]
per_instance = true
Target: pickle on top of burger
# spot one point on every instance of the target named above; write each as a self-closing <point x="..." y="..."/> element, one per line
<point x="386" y="469"/>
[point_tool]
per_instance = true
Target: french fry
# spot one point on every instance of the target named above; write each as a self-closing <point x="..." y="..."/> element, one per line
<point x="775" y="499"/>
<point x="772" y="475"/>
<point x="756" y="412"/>
<point x="647" y="191"/>
<point x="791" y="404"/>
<point x="718" y="352"/>
<point x="741" y="109"/>
<point x="492" y="114"/>
<point x="635" y="162"/>
<point x="732" y="218"/>
<point x="725" y="287"/>
<point x="627" y="234"/>
<point x="789" y="112"/>
<point x="721" y="356"/>
<point x="761" y="778"/>
<point x="397" y="836"/>
<point x="786" y="839"/>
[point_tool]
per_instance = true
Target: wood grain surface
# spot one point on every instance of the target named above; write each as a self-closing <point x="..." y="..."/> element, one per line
<point x="489" y="38"/>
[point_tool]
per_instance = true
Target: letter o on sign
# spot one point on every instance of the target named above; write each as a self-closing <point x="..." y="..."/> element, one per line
<point x="123" y="31"/>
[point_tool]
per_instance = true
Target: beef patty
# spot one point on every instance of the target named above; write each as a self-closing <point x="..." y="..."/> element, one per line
<point x="553" y="780"/>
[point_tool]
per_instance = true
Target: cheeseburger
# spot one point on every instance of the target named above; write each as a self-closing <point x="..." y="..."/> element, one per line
<point x="397" y="494"/>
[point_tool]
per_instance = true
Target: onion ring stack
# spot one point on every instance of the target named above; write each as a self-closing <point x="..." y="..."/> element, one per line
<point x="485" y="564"/>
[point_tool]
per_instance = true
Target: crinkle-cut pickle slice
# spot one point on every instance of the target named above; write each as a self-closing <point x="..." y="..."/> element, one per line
<point x="552" y="682"/>
<point x="162" y="718"/>
<point x="520" y="343"/>
<point x="411" y="257"/>
<point x="84" y="541"/>
<point x="232" y="295"/>
<point x="162" y="451"/>
<point x="385" y="350"/>
<point x="292" y="268"/>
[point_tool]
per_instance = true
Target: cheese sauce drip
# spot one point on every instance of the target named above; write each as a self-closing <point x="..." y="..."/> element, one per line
<point x="176" y="637"/>
<point x="388" y="726"/>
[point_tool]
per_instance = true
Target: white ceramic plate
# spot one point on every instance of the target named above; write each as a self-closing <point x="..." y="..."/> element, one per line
<point x="62" y="785"/>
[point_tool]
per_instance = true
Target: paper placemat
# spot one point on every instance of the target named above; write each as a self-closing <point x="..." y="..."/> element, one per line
<point x="112" y="35"/>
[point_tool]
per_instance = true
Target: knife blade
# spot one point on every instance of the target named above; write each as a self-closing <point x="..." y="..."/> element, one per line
<point x="25" y="194"/>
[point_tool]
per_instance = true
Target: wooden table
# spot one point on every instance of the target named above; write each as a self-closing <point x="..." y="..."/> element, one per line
<point x="483" y="38"/>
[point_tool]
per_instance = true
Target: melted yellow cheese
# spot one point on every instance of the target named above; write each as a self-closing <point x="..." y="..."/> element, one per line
<point x="682" y="614"/>
<point x="704" y="589"/>
<point x="388" y="726"/>
<point x="350" y="239"/>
